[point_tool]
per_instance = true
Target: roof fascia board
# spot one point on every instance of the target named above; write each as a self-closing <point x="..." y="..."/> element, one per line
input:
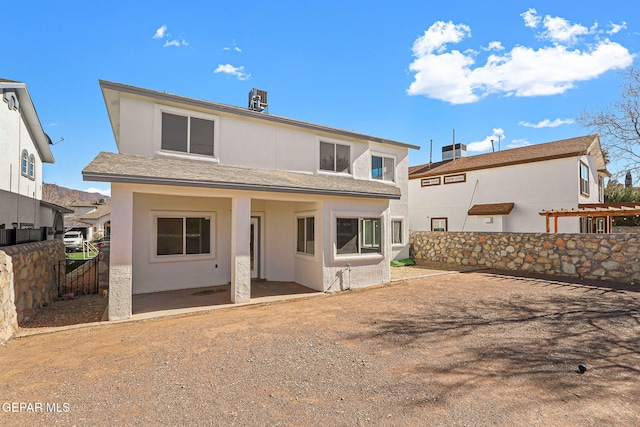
<point x="246" y="113"/>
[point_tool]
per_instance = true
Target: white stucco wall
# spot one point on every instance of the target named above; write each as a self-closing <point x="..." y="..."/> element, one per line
<point x="15" y="137"/>
<point x="533" y="187"/>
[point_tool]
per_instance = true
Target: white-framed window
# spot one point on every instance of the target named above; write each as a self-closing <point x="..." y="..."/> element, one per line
<point x="358" y="235"/>
<point x="181" y="236"/>
<point x="32" y="166"/>
<point x="601" y="189"/>
<point x="305" y="235"/>
<point x="24" y="163"/>
<point x="383" y="168"/>
<point x="439" y="224"/>
<point x="182" y="132"/>
<point x="584" y="178"/>
<point x="335" y="157"/>
<point x="396" y="232"/>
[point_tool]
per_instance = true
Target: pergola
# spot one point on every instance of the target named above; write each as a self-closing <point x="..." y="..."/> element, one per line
<point x="607" y="211"/>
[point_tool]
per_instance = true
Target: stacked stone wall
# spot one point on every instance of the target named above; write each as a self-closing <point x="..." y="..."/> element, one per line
<point x="28" y="280"/>
<point x="612" y="257"/>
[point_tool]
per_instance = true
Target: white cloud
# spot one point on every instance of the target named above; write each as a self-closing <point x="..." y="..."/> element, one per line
<point x="485" y="144"/>
<point x="517" y="143"/>
<point x="160" y="32"/>
<point x="546" y="123"/>
<point x="616" y="28"/>
<point x="234" y="71"/>
<point x="234" y="46"/>
<point x="449" y="75"/>
<point x="171" y="43"/>
<point x="494" y="46"/>
<point x="531" y="18"/>
<point x="99" y="190"/>
<point x="559" y="30"/>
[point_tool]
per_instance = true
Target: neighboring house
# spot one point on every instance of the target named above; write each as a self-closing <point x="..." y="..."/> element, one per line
<point x="24" y="147"/>
<point x="208" y="194"/>
<point x="507" y="190"/>
<point x="91" y="218"/>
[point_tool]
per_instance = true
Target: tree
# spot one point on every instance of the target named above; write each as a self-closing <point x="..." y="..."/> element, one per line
<point x="619" y="125"/>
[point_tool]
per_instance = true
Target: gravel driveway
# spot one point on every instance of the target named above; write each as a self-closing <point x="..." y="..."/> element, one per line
<point x="466" y="349"/>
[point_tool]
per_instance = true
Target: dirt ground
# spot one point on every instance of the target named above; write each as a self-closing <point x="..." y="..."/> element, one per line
<point x="459" y="349"/>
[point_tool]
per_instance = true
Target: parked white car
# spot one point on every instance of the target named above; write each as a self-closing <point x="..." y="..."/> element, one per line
<point x="73" y="240"/>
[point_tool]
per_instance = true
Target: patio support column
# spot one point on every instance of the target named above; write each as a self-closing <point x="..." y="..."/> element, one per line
<point x="240" y="256"/>
<point x="120" y="270"/>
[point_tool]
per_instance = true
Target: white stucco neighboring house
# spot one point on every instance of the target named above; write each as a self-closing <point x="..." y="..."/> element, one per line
<point x="24" y="147"/>
<point x="505" y="191"/>
<point x="92" y="218"/>
<point x="209" y="194"/>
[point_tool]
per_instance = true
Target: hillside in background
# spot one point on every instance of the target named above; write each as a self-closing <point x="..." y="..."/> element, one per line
<point x="62" y="196"/>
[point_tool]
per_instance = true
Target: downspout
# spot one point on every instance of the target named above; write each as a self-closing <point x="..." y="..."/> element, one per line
<point x="470" y="203"/>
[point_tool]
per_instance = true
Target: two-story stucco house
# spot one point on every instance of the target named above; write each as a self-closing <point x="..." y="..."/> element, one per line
<point x="507" y="190"/>
<point x="24" y="147"/>
<point x="208" y="194"/>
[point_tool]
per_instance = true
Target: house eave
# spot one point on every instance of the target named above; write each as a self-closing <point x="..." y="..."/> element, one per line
<point x="100" y="177"/>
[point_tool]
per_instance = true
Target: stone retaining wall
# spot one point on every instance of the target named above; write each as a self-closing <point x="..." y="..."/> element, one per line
<point x="27" y="281"/>
<point x="613" y="257"/>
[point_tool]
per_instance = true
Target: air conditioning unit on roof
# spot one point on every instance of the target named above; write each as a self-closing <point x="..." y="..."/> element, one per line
<point x="258" y="100"/>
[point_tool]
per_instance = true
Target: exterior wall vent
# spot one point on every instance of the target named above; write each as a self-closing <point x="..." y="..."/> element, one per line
<point x="258" y="100"/>
<point x="11" y="99"/>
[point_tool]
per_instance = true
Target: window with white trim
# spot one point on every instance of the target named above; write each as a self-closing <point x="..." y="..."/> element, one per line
<point x="358" y="235"/>
<point x="24" y="162"/>
<point x="584" y="179"/>
<point x="383" y="168"/>
<point x="335" y="157"/>
<point x="439" y="224"/>
<point x="32" y="166"/>
<point x="601" y="189"/>
<point x="305" y="235"/>
<point x="396" y="232"/>
<point x="183" y="235"/>
<point x="187" y="134"/>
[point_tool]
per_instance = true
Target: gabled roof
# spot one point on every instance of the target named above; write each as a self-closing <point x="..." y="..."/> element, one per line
<point x="31" y="119"/>
<point x="131" y="168"/>
<point x="111" y="92"/>
<point x="583" y="145"/>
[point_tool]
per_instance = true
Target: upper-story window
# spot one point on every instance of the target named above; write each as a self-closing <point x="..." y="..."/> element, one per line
<point x="187" y="134"/>
<point x="383" y="168"/>
<point x="335" y="157"/>
<point x="24" y="163"/>
<point x="584" y="179"/>
<point x="601" y="189"/>
<point x="32" y="166"/>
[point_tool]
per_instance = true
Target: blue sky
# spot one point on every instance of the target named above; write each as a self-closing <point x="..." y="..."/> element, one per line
<point x="411" y="71"/>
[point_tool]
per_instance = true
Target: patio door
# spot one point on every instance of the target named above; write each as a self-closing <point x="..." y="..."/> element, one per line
<point x="254" y="247"/>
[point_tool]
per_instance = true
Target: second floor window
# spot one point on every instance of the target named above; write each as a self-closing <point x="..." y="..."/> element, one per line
<point x="335" y="157"/>
<point x="187" y="134"/>
<point x="383" y="168"/>
<point x="24" y="162"/>
<point x="32" y="166"/>
<point x="584" y="179"/>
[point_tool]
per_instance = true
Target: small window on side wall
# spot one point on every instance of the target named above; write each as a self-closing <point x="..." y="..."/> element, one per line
<point x="584" y="179"/>
<point x="396" y="232"/>
<point x="439" y="224"/>
<point x="32" y="166"/>
<point x="358" y="236"/>
<point x="306" y="235"/>
<point x="24" y="162"/>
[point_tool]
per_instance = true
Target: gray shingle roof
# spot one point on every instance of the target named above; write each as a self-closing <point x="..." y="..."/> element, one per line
<point x="112" y="167"/>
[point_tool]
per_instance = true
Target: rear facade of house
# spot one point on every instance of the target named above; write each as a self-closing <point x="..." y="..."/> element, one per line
<point x="206" y="194"/>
